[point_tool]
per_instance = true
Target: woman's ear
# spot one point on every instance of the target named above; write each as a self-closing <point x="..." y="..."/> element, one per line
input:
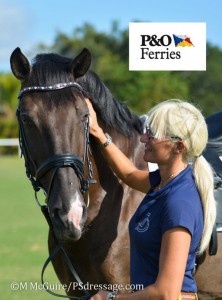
<point x="180" y="147"/>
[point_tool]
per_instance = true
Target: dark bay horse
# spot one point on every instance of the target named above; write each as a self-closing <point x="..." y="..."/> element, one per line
<point x="53" y="121"/>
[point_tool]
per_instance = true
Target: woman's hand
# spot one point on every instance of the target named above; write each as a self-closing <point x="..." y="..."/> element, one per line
<point x="117" y="160"/>
<point x="94" y="127"/>
<point x="101" y="295"/>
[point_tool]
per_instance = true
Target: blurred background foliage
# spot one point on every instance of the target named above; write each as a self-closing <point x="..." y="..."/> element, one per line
<point x="140" y="90"/>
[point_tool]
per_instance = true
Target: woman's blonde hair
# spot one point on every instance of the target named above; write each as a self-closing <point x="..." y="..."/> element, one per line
<point x="176" y="120"/>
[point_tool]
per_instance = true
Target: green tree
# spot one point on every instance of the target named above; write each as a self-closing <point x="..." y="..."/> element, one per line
<point x="110" y="52"/>
<point x="205" y="87"/>
<point x="140" y="90"/>
<point x="9" y="88"/>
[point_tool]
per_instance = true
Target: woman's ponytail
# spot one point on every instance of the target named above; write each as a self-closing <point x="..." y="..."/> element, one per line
<point x="205" y="185"/>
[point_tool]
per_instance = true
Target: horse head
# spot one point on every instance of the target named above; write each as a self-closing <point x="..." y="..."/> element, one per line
<point x="53" y="124"/>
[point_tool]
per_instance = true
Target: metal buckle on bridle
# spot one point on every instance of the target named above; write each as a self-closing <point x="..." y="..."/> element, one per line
<point x="37" y="199"/>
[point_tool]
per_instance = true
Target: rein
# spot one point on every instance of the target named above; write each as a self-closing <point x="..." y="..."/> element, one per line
<point x="54" y="163"/>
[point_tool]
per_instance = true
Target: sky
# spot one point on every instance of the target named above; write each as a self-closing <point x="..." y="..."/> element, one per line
<point x="27" y="23"/>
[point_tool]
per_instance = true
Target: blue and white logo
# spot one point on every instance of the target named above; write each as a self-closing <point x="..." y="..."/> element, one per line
<point x="143" y="225"/>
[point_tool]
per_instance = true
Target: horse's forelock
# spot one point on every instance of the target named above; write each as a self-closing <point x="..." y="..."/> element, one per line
<point x="49" y="69"/>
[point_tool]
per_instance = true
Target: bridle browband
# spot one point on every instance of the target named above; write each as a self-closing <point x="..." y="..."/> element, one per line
<point x="54" y="87"/>
<point x="53" y="164"/>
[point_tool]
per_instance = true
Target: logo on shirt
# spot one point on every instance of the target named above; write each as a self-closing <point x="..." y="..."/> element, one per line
<point x="143" y="225"/>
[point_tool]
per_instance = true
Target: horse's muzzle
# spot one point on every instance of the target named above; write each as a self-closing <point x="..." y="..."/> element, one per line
<point x="68" y="216"/>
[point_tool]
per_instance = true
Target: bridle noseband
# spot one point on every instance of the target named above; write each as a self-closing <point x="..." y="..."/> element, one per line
<point x="53" y="164"/>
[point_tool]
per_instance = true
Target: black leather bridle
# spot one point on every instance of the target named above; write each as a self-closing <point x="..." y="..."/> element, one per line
<point x="53" y="164"/>
<point x="57" y="161"/>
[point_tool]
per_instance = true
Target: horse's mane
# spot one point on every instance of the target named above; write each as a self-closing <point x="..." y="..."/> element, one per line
<point x="52" y="68"/>
<point x="112" y="112"/>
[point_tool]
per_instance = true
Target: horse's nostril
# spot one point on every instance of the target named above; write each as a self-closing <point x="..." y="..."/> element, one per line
<point x="56" y="218"/>
<point x="67" y="225"/>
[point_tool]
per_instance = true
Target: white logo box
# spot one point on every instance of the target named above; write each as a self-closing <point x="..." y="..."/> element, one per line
<point x="144" y="54"/>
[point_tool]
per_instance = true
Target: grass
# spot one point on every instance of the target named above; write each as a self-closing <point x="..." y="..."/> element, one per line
<point x="23" y="235"/>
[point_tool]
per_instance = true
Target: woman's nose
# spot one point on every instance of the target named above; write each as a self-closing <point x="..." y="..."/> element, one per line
<point x="143" y="138"/>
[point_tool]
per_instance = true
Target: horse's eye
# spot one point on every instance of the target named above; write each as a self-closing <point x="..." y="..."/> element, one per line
<point x="85" y="116"/>
<point x="27" y="122"/>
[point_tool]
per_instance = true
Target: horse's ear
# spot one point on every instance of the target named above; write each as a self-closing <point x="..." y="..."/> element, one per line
<point x="19" y="64"/>
<point x="81" y="63"/>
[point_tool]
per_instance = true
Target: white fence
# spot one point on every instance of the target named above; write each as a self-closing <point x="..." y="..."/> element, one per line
<point x="10" y="142"/>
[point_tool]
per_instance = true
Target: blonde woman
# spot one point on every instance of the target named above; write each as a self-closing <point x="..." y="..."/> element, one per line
<point x="175" y="219"/>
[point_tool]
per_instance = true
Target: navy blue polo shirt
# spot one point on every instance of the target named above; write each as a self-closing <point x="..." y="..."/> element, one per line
<point x="176" y="204"/>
